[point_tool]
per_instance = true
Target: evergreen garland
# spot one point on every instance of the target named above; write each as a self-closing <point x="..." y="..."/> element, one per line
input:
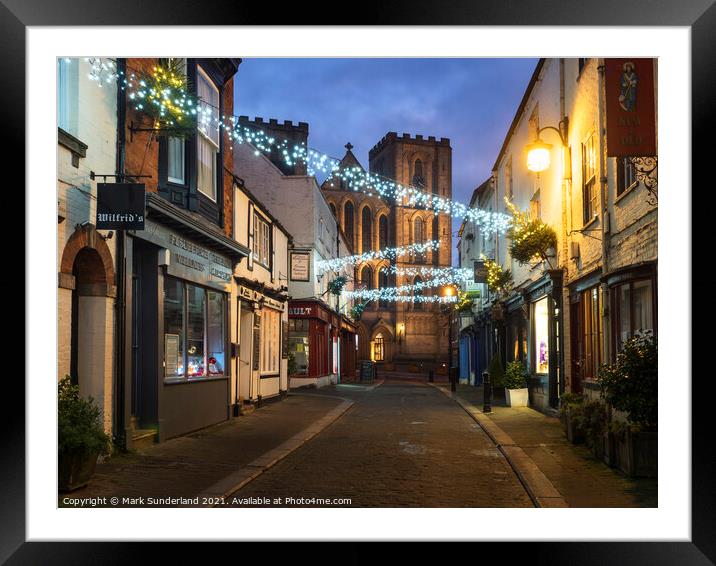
<point x="335" y="286"/>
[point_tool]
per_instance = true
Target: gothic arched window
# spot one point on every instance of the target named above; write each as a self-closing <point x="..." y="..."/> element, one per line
<point x="417" y="294"/>
<point x="383" y="282"/>
<point x="348" y="222"/>
<point x="366" y="277"/>
<point x="367" y="223"/>
<point x="419" y="235"/>
<point x="418" y="175"/>
<point x="383" y="232"/>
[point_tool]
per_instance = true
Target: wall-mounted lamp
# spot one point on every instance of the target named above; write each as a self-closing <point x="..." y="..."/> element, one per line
<point x="538" y="152"/>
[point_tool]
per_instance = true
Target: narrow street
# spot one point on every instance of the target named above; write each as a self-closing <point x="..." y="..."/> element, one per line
<point x="402" y="444"/>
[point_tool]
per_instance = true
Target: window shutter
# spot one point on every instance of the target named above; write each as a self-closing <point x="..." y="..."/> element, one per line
<point x="251" y="236"/>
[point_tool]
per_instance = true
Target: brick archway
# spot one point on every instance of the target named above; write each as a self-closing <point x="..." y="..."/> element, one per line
<point x="99" y="272"/>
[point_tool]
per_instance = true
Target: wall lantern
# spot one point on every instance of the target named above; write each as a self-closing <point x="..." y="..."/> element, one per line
<point x="538" y="152"/>
<point x="401" y="331"/>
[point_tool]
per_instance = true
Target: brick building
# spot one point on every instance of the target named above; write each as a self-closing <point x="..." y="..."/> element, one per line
<point x="566" y="316"/>
<point x="401" y="335"/>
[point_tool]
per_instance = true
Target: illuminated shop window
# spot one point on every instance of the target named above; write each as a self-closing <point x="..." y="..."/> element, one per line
<point x="298" y="344"/>
<point x="541" y="335"/>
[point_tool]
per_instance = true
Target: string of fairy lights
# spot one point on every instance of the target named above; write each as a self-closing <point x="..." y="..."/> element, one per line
<point x="164" y="95"/>
<point x="338" y="263"/>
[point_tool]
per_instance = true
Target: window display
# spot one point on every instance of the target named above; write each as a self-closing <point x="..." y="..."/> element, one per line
<point x="270" y="329"/>
<point x="298" y="344"/>
<point x="541" y="335"/>
<point x="194" y="330"/>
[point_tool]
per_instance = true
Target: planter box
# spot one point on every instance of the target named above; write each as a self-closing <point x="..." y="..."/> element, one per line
<point x="517" y="397"/>
<point x="75" y="470"/>
<point x="574" y="433"/>
<point x="637" y="453"/>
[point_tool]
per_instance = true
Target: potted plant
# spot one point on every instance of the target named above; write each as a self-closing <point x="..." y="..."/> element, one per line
<point x="570" y="412"/>
<point x="81" y="438"/>
<point x="630" y="385"/>
<point x="497" y="376"/>
<point x="516" y="390"/>
<point x="594" y="426"/>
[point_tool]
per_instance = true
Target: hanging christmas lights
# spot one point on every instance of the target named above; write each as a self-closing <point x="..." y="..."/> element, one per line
<point x="167" y="103"/>
<point x="336" y="264"/>
<point x="449" y="274"/>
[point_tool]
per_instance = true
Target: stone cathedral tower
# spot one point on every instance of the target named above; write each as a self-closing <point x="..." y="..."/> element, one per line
<point x="401" y="334"/>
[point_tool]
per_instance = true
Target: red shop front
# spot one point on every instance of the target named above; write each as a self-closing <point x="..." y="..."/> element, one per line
<point x="312" y="340"/>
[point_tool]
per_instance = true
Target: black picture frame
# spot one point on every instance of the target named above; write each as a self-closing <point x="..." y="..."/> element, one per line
<point x="698" y="15"/>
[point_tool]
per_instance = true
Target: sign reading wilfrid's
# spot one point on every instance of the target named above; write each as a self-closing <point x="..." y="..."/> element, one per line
<point x="631" y="121"/>
<point x="120" y="206"/>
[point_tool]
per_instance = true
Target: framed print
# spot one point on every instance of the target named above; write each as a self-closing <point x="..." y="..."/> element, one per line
<point x="503" y="164"/>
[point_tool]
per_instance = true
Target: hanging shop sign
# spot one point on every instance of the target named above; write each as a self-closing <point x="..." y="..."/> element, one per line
<point x="300" y="266"/>
<point x="631" y="121"/>
<point x="120" y="206"/>
<point x="480" y="275"/>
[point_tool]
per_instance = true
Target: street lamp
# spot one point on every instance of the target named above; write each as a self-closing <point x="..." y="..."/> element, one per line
<point x="447" y="291"/>
<point x="538" y="152"/>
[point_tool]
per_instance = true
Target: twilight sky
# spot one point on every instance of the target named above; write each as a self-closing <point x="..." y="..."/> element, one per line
<point x="470" y="101"/>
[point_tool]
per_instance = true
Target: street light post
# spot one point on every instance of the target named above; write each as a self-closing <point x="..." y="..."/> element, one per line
<point x="445" y="292"/>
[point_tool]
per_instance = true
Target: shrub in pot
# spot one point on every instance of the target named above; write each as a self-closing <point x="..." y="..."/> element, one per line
<point x="516" y="390"/>
<point x="570" y="412"/>
<point x="630" y="385"/>
<point x="81" y="438"/>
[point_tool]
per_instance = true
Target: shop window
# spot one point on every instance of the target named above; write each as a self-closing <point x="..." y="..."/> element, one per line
<point x="174" y="327"/>
<point x="634" y="310"/>
<point x="541" y="335"/>
<point x="215" y="333"/>
<point x="591" y="323"/>
<point x="208" y="136"/>
<point x="589" y="180"/>
<point x="378" y="348"/>
<point x="262" y="240"/>
<point x="626" y="174"/>
<point x="194" y="330"/>
<point x="298" y="344"/>
<point x="270" y="333"/>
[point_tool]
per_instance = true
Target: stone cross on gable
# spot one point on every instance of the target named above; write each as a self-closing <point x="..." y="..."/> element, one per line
<point x="349" y="146"/>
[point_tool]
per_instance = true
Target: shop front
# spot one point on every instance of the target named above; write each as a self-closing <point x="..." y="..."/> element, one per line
<point x="312" y="344"/>
<point x="348" y="351"/>
<point x="543" y="351"/>
<point x="262" y="329"/>
<point x="178" y="286"/>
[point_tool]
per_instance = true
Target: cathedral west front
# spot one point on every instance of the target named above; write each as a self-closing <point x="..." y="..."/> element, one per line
<point x="413" y="334"/>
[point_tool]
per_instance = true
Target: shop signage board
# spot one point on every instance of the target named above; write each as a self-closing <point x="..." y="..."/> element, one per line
<point x="480" y="272"/>
<point x="300" y="266"/>
<point x="284" y="339"/>
<point x="631" y="121"/>
<point x="367" y="370"/>
<point x="188" y="260"/>
<point x="120" y="206"/>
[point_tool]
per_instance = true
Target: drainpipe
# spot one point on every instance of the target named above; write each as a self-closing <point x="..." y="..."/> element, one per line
<point x="603" y="188"/>
<point x="121" y="274"/>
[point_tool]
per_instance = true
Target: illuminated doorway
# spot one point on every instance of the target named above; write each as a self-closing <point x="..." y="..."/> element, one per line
<point x="378" y="348"/>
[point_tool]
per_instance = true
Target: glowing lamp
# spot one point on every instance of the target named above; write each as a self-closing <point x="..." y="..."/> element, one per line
<point x="538" y="156"/>
<point x="447" y="291"/>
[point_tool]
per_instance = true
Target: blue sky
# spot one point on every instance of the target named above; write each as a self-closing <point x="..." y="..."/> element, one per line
<point x="470" y="101"/>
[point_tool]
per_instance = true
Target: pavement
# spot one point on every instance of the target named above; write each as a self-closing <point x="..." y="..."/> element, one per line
<point x="535" y="440"/>
<point x="399" y="442"/>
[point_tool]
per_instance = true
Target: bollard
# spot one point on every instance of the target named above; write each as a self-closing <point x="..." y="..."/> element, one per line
<point x="487" y="393"/>
<point x="431" y="376"/>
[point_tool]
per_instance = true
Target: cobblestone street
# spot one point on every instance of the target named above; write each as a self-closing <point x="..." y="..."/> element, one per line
<point x="402" y="444"/>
